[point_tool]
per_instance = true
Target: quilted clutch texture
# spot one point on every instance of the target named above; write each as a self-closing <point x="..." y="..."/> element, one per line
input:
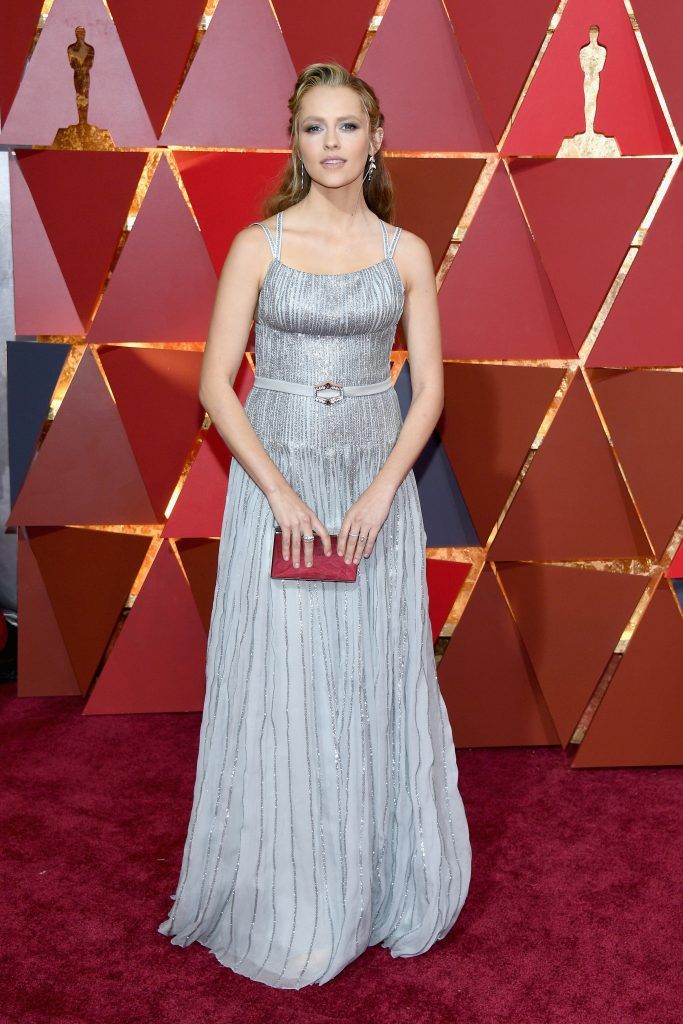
<point x="332" y="567"/>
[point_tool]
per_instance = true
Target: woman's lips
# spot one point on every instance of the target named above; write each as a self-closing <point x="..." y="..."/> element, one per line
<point x="334" y="162"/>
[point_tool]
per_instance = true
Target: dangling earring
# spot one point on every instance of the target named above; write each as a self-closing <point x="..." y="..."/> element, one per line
<point x="372" y="166"/>
<point x="302" y="174"/>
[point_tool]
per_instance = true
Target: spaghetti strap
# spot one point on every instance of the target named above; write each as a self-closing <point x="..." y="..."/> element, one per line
<point x="394" y="240"/>
<point x="389" y="246"/>
<point x="276" y="242"/>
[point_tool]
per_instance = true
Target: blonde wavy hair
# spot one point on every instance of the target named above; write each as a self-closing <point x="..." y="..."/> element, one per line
<point x="377" y="187"/>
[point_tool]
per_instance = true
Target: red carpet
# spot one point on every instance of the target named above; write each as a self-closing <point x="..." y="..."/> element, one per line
<point x="574" y="913"/>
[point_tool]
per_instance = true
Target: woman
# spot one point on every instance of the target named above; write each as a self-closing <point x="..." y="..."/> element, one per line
<point x="326" y="813"/>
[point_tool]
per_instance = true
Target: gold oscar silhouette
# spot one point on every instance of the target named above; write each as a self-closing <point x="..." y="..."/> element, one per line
<point x="592" y="58"/>
<point x="81" y="57"/>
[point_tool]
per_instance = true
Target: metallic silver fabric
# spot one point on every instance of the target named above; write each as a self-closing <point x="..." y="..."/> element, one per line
<point x="326" y="814"/>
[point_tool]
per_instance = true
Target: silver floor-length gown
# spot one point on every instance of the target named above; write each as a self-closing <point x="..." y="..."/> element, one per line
<point x="326" y="814"/>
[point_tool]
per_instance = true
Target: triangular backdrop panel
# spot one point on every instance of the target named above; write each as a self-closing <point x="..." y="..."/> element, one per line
<point x="32" y="374"/>
<point x="627" y="104"/>
<point x="444" y="581"/>
<point x="163" y="286"/>
<point x="417" y="68"/>
<point x="18" y="30"/>
<point x="643" y="410"/>
<point x="638" y="721"/>
<point x="85" y="470"/>
<point x="226" y="191"/>
<point x="245" y="108"/>
<point x="572" y="502"/>
<point x="496" y="301"/>
<point x="500" y="42"/>
<point x="158" y="661"/>
<point x="199" y="509"/>
<point x="198" y="512"/>
<point x="676" y="566"/>
<point x="73" y="564"/>
<point x="491" y="417"/>
<point x="570" y="620"/>
<point x="447" y="521"/>
<point x="200" y="562"/>
<point x="487" y="680"/>
<point x="44" y="669"/>
<point x="83" y="199"/>
<point x="584" y="214"/>
<point x="46" y="98"/>
<point x="448" y="182"/>
<point x="661" y="28"/>
<point x="315" y="32"/>
<point x="42" y="303"/>
<point x="643" y="327"/>
<point x="148" y="383"/>
<point x="157" y="37"/>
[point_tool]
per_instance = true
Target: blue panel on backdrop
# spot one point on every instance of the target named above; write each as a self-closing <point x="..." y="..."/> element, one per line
<point x="33" y="369"/>
<point x="678" y="588"/>
<point x="446" y="517"/>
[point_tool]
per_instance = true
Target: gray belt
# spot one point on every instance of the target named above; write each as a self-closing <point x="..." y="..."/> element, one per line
<point x="321" y="392"/>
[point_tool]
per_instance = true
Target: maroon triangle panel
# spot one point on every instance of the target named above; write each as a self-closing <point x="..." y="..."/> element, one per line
<point x="643" y="327"/>
<point x="83" y="199"/>
<point x="570" y="620"/>
<point x="639" y="721"/>
<point x="500" y="42"/>
<point x="584" y="215"/>
<point x="147" y="384"/>
<point x="85" y="470"/>
<point x="643" y="410"/>
<point x="157" y="37"/>
<point x="44" y="669"/>
<point x="491" y="416"/>
<point x="487" y="681"/>
<point x="73" y="565"/>
<point x="496" y="301"/>
<point x="200" y="562"/>
<point x="444" y="581"/>
<point x="159" y="658"/>
<point x="572" y="502"/>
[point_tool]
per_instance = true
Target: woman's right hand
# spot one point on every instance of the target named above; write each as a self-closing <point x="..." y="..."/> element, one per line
<point x="297" y="520"/>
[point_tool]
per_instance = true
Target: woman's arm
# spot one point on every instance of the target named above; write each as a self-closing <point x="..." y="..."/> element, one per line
<point x="423" y="336"/>
<point x="365" y="517"/>
<point x="236" y="296"/>
<point x="238" y="289"/>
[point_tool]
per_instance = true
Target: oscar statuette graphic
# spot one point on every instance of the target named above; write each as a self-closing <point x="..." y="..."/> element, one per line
<point x="592" y="58"/>
<point x="82" y="135"/>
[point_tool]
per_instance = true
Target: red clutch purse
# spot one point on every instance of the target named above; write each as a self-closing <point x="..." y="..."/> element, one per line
<point x="325" y="567"/>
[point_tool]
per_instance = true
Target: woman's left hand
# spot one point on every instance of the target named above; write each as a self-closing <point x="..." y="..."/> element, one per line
<point x="363" y="521"/>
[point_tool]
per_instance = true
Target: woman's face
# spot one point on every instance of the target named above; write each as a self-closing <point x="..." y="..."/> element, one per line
<point x="334" y="126"/>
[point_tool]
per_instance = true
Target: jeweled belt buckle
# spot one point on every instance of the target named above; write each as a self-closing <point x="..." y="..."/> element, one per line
<point x="326" y="386"/>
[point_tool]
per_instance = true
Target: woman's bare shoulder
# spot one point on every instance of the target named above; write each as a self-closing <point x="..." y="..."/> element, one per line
<point x="250" y="250"/>
<point x="412" y="255"/>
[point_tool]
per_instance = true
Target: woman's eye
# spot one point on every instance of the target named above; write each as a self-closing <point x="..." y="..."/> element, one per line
<point x="347" y="124"/>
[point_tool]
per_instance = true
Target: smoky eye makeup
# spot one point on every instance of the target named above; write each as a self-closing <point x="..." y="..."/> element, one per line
<point x="351" y="124"/>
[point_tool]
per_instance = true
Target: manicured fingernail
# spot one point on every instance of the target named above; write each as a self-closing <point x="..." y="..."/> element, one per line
<point x="309" y="564"/>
